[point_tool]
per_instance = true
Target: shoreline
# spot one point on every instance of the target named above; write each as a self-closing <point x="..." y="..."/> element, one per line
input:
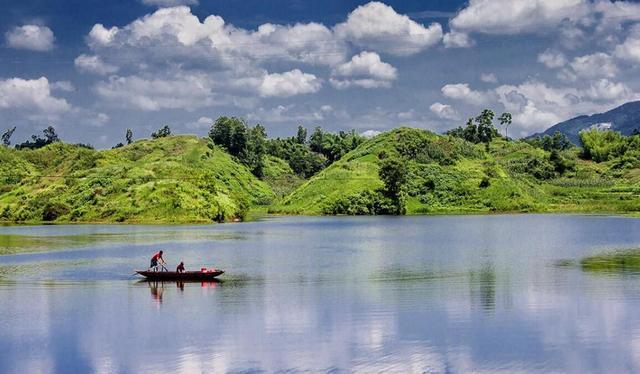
<point x="258" y="216"/>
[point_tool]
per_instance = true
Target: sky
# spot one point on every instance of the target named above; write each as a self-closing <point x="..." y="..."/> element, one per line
<point x="93" y="68"/>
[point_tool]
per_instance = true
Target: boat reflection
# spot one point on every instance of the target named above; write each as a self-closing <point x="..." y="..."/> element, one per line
<point x="158" y="288"/>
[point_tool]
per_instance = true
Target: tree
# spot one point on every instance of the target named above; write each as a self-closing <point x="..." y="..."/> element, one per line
<point x="129" y="136"/>
<point x="6" y="137"/>
<point x="486" y="130"/>
<point x="558" y="142"/>
<point x="36" y="142"/>
<point x="230" y="133"/>
<point x="161" y="133"/>
<point x="393" y="172"/>
<point x="50" y="135"/>
<point x="505" y="120"/>
<point x="256" y="150"/>
<point x="301" y="137"/>
<point x="317" y="139"/>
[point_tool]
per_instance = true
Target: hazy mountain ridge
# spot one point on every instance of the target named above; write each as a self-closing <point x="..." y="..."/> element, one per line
<point x="623" y="119"/>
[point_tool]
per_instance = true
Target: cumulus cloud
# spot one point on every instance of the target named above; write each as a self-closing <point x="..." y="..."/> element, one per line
<point x="201" y="123"/>
<point x="169" y="3"/>
<point x="552" y="59"/>
<point x="462" y="92"/>
<point x="594" y="65"/>
<point x="65" y="86"/>
<point x="536" y="106"/>
<point x="33" y="37"/>
<point x="94" y="64"/>
<point x="287" y="84"/>
<point x="152" y="94"/>
<point x="364" y="70"/>
<point x="605" y="90"/>
<point x="630" y="48"/>
<point x="488" y="78"/>
<point x="287" y="113"/>
<point x="100" y="35"/>
<point x="455" y="39"/>
<point x="370" y="133"/>
<point x="378" y="27"/>
<point x="32" y="96"/>
<point x="242" y="61"/>
<point x="516" y="16"/>
<point x="444" y="111"/>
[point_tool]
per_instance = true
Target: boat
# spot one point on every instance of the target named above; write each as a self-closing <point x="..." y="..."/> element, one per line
<point x="204" y="275"/>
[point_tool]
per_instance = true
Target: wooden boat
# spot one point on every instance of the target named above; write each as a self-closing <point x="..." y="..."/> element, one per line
<point x="184" y="276"/>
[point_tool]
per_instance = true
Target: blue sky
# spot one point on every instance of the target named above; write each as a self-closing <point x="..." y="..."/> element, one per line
<point x="94" y="68"/>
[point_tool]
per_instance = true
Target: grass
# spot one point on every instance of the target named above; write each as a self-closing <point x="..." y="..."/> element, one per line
<point x="447" y="178"/>
<point x="174" y="179"/>
<point x="613" y="262"/>
<point x="183" y="179"/>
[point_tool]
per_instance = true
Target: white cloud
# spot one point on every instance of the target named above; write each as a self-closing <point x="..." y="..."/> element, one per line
<point x="94" y="64"/>
<point x="290" y="83"/>
<point x="462" y="92"/>
<point x="65" y="86"/>
<point x="552" y="59"/>
<point x="100" y="35"/>
<point x="311" y="43"/>
<point x="615" y="12"/>
<point x="169" y="3"/>
<point x="286" y="113"/>
<point x="444" y="111"/>
<point x="364" y="70"/>
<point x="630" y="48"/>
<point x="177" y="34"/>
<point x="370" y="133"/>
<point x="455" y="39"/>
<point x="517" y="16"/>
<point x="488" y="78"/>
<point x="605" y="90"/>
<point x="379" y="27"/>
<point x="594" y="65"/>
<point x="536" y="106"/>
<point x="152" y="94"/>
<point x="32" y="96"/>
<point x="33" y="37"/>
<point x="201" y="123"/>
<point x="178" y="43"/>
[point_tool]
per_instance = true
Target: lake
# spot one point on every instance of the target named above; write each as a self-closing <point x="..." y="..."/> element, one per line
<point x="339" y="294"/>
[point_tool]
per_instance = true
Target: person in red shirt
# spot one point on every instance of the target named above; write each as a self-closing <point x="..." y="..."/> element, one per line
<point x="180" y="268"/>
<point x="154" y="260"/>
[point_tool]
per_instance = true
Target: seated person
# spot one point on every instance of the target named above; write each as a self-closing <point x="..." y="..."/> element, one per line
<point x="180" y="268"/>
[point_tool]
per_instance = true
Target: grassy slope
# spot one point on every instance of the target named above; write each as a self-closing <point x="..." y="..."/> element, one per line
<point x="182" y="179"/>
<point x="175" y="179"/>
<point x="454" y="188"/>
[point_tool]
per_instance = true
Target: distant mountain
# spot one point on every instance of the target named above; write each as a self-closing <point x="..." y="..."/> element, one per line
<point x="624" y="119"/>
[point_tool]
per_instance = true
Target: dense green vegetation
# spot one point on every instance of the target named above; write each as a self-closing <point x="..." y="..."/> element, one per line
<point x="448" y="174"/>
<point x="169" y="179"/>
<point x="613" y="262"/>
<point x="237" y="169"/>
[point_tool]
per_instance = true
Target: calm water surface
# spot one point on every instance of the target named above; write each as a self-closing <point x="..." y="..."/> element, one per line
<point x="369" y="294"/>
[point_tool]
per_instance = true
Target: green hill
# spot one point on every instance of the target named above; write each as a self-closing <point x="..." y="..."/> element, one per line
<point x="450" y="175"/>
<point x="172" y="179"/>
<point x="188" y="179"/>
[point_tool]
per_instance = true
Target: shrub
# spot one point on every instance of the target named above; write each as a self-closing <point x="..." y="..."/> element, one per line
<point x="601" y="145"/>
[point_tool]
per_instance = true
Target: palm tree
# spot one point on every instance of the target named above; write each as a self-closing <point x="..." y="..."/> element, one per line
<point x="505" y="120"/>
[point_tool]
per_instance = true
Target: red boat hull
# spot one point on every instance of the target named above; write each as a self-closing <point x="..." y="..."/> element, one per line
<point x="185" y="276"/>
